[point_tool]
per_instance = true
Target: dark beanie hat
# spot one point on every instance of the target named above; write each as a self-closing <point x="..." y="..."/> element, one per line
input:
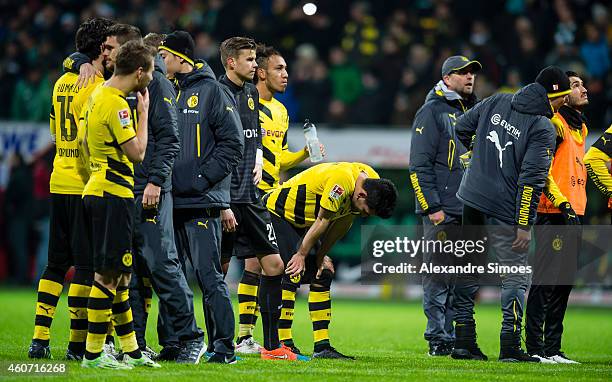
<point x="179" y="43"/>
<point x="555" y="81"/>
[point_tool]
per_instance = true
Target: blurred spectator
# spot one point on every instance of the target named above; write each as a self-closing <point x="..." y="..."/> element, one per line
<point x="41" y="173"/>
<point x="371" y="106"/>
<point x="32" y="97"/>
<point x="17" y="215"/>
<point x="419" y="60"/>
<point x="566" y="29"/>
<point x="595" y="52"/>
<point x="208" y="49"/>
<point x="309" y="78"/>
<point x="512" y="83"/>
<point x="361" y="34"/>
<point x="345" y="77"/>
<point x="526" y="35"/>
<point x="567" y="57"/>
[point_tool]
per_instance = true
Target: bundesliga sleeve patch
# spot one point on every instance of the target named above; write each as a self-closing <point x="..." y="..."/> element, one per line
<point x="124" y="117"/>
<point x="336" y="192"/>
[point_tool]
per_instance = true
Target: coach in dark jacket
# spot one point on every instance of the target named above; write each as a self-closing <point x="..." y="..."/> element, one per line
<point x="212" y="142"/>
<point x="435" y="173"/>
<point x="156" y="168"/>
<point x="156" y="263"/>
<point x="512" y="148"/>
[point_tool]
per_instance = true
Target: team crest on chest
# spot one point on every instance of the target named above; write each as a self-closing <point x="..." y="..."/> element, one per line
<point x="251" y="103"/>
<point x="192" y="101"/>
<point x="127" y="259"/>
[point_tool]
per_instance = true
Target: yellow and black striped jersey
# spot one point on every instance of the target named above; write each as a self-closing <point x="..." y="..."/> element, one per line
<point x="274" y="122"/>
<point x="595" y="162"/>
<point x="79" y="103"/>
<point x="327" y="185"/>
<point x="108" y="124"/>
<point x="69" y="173"/>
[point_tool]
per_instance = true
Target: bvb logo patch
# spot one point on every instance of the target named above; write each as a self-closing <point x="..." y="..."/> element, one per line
<point x="127" y="259"/>
<point x="251" y="103"/>
<point x="295" y="279"/>
<point x="557" y="244"/>
<point x="192" y="101"/>
<point x="441" y="236"/>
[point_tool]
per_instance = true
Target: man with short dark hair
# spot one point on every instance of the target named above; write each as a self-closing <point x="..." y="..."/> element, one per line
<point x="154" y="39"/>
<point x="562" y="203"/>
<point x="310" y="213"/>
<point x="118" y="35"/>
<point x="511" y="138"/>
<point x="247" y="226"/>
<point x="113" y="145"/>
<point x="212" y="145"/>
<point x="435" y="173"/>
<point x="68" y="241"/>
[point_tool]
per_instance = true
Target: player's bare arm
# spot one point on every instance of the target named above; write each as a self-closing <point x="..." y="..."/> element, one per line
<point x="336" y="231"/>
<point x="297" y="263"/>
<point x="135" y="148"/>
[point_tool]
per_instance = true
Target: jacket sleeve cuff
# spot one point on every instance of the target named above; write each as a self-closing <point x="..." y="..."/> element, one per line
<point x="156" y="180"/>
<point x="524" y="227"/>
<point x="432" y="210"/>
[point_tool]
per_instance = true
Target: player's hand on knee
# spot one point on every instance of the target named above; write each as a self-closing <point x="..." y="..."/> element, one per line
<point x="228" y="220"/>
<point x="296" y="265"/>
<point x="325" y="264"/>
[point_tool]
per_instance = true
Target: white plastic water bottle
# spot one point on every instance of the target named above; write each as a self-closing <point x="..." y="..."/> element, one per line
<point x="312" y="142"/>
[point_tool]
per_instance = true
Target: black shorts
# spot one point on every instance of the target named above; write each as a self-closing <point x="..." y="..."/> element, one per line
<point x="254" y="235"/>
<point x="289" y="240"/>
<point x="69" y="233"/>
<point x="111" y="221"/>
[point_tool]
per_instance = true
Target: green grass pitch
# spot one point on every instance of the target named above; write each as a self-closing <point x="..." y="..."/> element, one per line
<point x="386" y="337"/>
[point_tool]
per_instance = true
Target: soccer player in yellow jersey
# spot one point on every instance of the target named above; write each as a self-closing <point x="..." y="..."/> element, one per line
<point x="91" y="77"/>
<point x="68" y="242"/>
<point x="321" y="203"/>
<point x="595" y="162"/>
<point x="113" y="145"/>
<point x="271" y="78"/>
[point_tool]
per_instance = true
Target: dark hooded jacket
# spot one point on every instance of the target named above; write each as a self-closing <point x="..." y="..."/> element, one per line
<point x="435" y="168"/>
<point x="163" y="142"/>
<point x="243" y="189"/>
<point x="512" y="148"/>
<point x="211" y="139"/>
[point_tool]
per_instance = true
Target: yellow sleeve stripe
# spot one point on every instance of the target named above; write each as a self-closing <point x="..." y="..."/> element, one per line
<point x="595" y="162"/>
<point x="552" y="190"/>
<point x="418" y="192"/>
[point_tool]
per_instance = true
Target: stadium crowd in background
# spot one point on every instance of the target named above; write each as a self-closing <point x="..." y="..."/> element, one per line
<point x="376" y="69"/>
